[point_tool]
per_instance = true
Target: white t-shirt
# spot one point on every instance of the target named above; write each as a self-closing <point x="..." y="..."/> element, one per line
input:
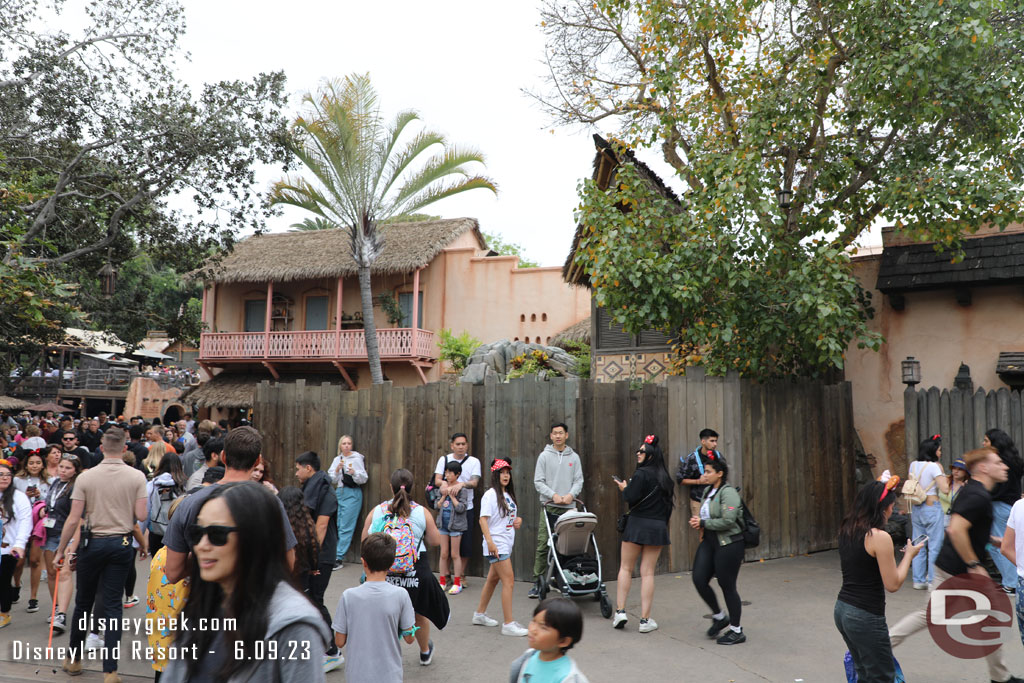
<point x="1016" y="522"/>
<point x="23" y="484"/>
<point x="705" y="507"/>
<point x="503" y="530"/>
<point x="470" y="469"/>
<point x="925" y="472"/>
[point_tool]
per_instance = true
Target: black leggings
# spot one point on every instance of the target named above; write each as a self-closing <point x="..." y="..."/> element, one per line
<point x="721" y="562"/>
<point x="6" y="573"/>
<point x="129" y="584"/>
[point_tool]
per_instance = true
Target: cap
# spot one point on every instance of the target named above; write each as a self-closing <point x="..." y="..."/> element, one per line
<point x="960" y="463"/>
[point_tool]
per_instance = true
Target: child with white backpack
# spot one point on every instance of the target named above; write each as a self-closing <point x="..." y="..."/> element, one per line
<point x="926" y="480"/>
<point x="412" y="528"/>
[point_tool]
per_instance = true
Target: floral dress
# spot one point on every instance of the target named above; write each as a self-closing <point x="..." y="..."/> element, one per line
<point x="164" y="602"/>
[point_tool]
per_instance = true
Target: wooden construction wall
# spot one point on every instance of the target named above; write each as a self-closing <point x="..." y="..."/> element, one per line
<point x="789" y="446"/>
<point x="961" y="417"/>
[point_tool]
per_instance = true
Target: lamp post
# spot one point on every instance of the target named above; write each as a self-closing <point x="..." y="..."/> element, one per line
<point x="785" y="197"/>
<point x="911" y="370"/>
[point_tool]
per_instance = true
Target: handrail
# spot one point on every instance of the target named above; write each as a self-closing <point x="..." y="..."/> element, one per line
<point x="401" y="342"/>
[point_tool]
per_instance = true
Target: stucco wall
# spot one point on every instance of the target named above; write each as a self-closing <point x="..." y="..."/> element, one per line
<point x="940" y="334"/>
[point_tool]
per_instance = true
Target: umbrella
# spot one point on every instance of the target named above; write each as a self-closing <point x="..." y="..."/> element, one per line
<point x="52" y="407"/>
<point x="10" y="403"/>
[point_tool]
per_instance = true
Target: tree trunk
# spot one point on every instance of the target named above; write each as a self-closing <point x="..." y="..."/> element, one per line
<point x="369" y="328"/>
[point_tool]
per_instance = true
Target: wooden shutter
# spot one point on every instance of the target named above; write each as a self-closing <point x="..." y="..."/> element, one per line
<point x="611" y="336"/>
<point x="653" y="338"/>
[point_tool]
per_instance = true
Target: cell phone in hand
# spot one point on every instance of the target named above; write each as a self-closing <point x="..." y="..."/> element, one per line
<point x="919" y="540"/>
<point x="617" y="479"/>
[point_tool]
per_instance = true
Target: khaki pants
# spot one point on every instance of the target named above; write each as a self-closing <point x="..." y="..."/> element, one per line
<point x="918" y="621"/>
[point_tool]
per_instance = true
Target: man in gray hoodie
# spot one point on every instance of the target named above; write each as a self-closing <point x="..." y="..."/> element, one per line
<point x="558" y="478"/>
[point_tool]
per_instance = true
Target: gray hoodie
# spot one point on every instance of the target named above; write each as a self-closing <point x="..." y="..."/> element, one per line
<point x="294" y="622"/>
<point x="558" y="473"/>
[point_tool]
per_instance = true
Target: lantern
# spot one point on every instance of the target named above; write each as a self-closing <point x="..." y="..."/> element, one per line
<point x="911" y="371"/>
<point x="785" y="198"/>
<point x="108" y="279"/>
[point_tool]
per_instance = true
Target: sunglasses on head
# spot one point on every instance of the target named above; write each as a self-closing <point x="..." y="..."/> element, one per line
<point x="69" y="456"/>
<point x="217" y="534"/>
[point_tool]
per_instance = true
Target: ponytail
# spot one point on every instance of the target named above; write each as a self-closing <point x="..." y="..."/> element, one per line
<point x="401" y="484"/>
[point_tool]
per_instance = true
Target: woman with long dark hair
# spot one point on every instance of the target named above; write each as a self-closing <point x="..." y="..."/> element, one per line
<point x="869" y="566"/>
<point x="499" y="521"/>
<point x="413" y="529"/>
<point x="720" y="552"/>
<point x="1004" y="495"/>
<point x="273" y="633"/>
<point x="16" y="515"/>
<point x="58" y="507"/>
<point x="928" y="518"/>
<point x="308" y="548"/>
<point x="649" y="494"/>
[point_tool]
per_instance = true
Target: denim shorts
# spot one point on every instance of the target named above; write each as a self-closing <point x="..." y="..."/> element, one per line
<point x="51" y="543"/>
<point x="500" y="558"/>
<point x="453" y="534"/>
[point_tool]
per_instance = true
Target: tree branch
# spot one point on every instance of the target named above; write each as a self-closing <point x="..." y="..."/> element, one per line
<point x="107" y="37"/>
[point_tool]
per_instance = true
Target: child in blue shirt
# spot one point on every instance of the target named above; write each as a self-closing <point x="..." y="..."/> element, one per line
<point x="557" y="625"/>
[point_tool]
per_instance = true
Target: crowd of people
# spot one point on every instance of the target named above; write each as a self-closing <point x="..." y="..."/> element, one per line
<point x="82" y="500"/>
<point x="958" y="520"/>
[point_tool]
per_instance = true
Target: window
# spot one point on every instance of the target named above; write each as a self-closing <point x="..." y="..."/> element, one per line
<point x="255" y="314"/>
<point x="516" y="339"/>
<point x="522" y="318"/>
<point x="538" y="340"/>
<point x="316" y="312"/>
<point x="533" y="317"/>
<point x="548" y="340"/>
<point x="405" y="303"/>
<point x="544" y="317"/>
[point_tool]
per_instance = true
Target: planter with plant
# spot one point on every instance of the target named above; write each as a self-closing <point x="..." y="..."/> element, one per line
<point x="389" y="304"/>
<point x="532" y="363"/>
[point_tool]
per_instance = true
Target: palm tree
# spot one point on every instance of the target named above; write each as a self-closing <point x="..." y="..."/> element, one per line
<point x="363" y="175"/>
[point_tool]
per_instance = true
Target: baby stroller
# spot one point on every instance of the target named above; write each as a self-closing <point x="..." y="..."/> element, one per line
<point x="572" y="569"/>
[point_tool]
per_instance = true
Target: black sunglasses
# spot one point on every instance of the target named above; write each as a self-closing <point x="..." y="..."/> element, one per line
<point x="217" y="534"/>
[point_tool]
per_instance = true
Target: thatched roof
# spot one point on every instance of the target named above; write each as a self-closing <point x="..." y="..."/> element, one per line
<point x="606" y="161"/>
<point x="225" y="391"/>
<point x="11" y="403"/>
<point x="316" y="254"/>
<point x="579" y="332"/>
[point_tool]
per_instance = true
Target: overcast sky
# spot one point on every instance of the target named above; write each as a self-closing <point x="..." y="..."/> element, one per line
<point x="460" y="63"/>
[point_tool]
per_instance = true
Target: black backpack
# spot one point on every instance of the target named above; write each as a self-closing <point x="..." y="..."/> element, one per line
<point x="751" y="529"/>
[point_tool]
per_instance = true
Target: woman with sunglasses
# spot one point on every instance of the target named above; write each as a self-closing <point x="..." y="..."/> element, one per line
<point x="16" y="516"/>
<point x="869" y="566"/>
<point x="58" y="507"/>
<point x="240" y="572"/>
<point x="649" y="494"/>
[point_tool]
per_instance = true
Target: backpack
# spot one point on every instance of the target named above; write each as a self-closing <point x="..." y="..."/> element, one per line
<point x="751" y="529"/>
<point x="167" y="494"/>
<point x="913" y="491"/>
<point x="400" y="529"/>
<point x="434" y="492"/>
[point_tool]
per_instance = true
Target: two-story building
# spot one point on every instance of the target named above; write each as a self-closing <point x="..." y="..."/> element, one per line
<point x="288" y="305"/>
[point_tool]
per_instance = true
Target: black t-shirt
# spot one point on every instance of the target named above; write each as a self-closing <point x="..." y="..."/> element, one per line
<point x="1009" y="491"/>
<point x="326" y="505"/>
<point x="91" y="440"/>
<point x="973" y="503"/>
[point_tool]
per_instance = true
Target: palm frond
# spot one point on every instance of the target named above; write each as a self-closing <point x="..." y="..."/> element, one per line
<point x="314" y="224"/>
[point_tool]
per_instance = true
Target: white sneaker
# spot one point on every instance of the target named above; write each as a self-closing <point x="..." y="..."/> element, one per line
<point x="481" y="619"/>
<point x="513" y="629"/>
<point x="647" y="625"/>
<point x="920" y="586"/>
<point x="620" y="619"/>
<point x="93" y="642"/>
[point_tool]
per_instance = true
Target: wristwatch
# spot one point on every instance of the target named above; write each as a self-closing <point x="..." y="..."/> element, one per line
<point x="972" y="565"/>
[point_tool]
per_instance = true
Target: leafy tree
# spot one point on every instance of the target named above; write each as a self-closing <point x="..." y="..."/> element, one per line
<point x="794" y="126"/>
<point x="97" y="134"/>
<point x="496" y="242"/>
<point x="456" y="349"/>
<point x="362" y="175"/>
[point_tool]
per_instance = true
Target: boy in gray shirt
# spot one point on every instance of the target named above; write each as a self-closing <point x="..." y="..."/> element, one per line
<point x="372" y="617"/>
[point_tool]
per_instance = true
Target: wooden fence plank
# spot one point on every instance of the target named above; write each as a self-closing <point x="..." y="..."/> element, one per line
<point x="955" y="439"/>
<point x="1016" y="433"/>
<point x="911" y="421"/>
<point x="980" y="417"/>
<point x="945" y="424"/>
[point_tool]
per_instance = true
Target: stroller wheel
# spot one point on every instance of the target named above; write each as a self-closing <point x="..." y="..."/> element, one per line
<point x="606" y="606"/>
<point x="599" y="595"/>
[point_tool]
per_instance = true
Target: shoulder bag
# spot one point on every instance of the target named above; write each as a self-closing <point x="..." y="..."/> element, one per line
<point x="624" y="518"/>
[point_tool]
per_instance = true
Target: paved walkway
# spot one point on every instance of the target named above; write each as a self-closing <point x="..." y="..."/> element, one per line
<point x="791" y="637"/>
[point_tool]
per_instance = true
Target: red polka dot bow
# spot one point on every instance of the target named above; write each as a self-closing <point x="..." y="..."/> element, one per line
<point x="649" y="438"/>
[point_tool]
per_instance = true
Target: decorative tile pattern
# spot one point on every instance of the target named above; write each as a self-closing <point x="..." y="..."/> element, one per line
<point x="617" y="367"/>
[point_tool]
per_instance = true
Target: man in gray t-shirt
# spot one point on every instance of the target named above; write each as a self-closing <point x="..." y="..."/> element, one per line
<point x="371" y="618"/>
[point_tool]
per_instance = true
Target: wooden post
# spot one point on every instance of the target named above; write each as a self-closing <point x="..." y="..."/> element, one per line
<point x="416" y="317"/>
<point x="266" y="320"/>
<point x="337" y="318"/>
<point x="202" y="312"/>
<point x="213" y="307"/>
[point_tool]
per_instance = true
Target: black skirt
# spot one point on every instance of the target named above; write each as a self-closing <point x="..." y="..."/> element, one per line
<point x="427" y="596"/>
<point x="646" y="531"/>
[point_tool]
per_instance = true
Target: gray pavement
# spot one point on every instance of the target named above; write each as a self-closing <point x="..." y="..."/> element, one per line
<point x="791" y="636"/>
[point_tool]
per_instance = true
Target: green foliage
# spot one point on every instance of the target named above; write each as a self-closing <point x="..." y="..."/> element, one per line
<point x="457" y="349"/>
<point x="497" y="243"/>
<point x="581" y="352"/>
<point x="363" y="172"/>
<point x="532" y="363"/>
<point x="865" y="111"/>
<point x="389" y="304"/>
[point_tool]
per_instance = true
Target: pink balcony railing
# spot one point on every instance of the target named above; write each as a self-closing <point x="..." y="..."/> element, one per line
<point x="395" y="343"/>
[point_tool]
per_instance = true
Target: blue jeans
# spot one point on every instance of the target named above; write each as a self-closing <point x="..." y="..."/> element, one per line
<point x="350" y="502"/>
<point x="928" y="519"/>
<point x="102" y="568"/>
<point x="1000" y="513"/>
<point x="867" y="638"/>
<point x="1020" y="607"/>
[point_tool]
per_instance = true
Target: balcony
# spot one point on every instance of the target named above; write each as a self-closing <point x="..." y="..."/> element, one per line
<point x="405" y="344"/>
